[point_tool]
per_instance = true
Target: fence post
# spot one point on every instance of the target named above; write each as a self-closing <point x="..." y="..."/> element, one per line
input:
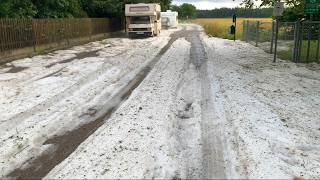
<point x="276" y="41"/>
<point x="247" y="31"/>
<point x="309" y="41"/>
<point x="285" y="31"/>
<point x="68" y="31"/>
<point x="257" y="33"/>
<point x="1" y="35"/>
<point x="318" y="47"/>
<point x="5" y="33"/>
<point x="301" y="31"/>
<point x="34" y="42"/>
<point x="91" y="24"/>
<point x="272" y="37"/>
<point x="296" y="42"/>
<point x="243" y="30"/>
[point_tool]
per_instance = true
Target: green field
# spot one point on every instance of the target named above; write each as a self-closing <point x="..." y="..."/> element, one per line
<point x="220" y="27"/>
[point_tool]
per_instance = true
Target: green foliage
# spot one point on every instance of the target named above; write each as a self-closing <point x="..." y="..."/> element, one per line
<point x="241" y="12"/>
<point x="69" y="8"/>
<point x="292" y="14"/>
<point x="165" y="4"/>
<point x="17" y="8"/>
<point x="186" y="11"/>
<point x="103" y="8"/>
<point x="114" y="8"/>
<point x="294" y="8"/>
<point x="57" y="8"/>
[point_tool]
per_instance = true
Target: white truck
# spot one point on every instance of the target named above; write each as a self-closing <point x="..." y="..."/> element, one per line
<point x="143" y="19"/>
<point x="169" y="19"/>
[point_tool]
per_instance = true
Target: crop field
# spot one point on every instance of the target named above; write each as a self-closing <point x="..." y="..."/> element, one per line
<point x="220" y="27"/>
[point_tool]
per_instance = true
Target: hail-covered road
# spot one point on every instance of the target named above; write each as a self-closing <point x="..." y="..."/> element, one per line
<point x="180" y="105"/>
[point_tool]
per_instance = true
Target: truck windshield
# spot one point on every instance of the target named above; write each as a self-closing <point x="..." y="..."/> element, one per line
<point x="140" y="20"/>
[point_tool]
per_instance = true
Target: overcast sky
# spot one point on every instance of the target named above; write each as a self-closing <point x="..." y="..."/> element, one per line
<point x="210" y="4"/>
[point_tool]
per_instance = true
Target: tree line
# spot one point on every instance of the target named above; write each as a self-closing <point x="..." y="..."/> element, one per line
<point x="115" y="8"/>
<point x="294" y="9"/>
<point x="241" y="12"/>
<point x="68" y="8"/>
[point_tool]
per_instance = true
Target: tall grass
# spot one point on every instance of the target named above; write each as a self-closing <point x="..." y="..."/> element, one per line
<point x="220" y="27"/>
<point x="303" y="52"/>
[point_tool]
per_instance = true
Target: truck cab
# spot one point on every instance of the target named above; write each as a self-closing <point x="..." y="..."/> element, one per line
<point x="143" y="19"/>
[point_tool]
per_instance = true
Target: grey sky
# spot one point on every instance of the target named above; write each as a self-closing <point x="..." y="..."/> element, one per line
<point x="209" y="4"/>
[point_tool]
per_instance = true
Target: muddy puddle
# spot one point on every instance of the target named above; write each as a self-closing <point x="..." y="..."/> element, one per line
<point x="16" y="69"/>
<point x="13" y="69"/>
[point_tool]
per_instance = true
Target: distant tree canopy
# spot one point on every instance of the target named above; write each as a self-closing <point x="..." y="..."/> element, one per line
<point x="165" y="4"/>
<point x="68" y="8"/>
<point x="294" y="8"/>
<point x="185" y="10"/>
<point x="241" y="12"/>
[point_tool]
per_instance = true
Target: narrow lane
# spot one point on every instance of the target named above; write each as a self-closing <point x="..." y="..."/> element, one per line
<point x="198" y="150"/>
<point x="67" y="143"/>
<point x="211" y="152"/>
<point x="172" y="130"/>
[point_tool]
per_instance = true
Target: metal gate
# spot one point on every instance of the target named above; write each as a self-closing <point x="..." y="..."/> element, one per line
<point x="297" y="41"/>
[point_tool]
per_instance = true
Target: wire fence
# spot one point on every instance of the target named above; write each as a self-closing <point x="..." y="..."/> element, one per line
<point x="21" y="33"/>
<point x="296" y="41"/>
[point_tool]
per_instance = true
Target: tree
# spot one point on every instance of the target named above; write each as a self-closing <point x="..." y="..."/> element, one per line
<point x="17" y="9"/>
<point x="241" y="12"/>
<point x="69" y="8"/>
<point x="185" y="10"/>
<point x="115" y="8"/>
<point x="103" y="8"/>
<point x="165" y="4"/>
<point x="58" y="8"/>
<point x="294" y="10"/>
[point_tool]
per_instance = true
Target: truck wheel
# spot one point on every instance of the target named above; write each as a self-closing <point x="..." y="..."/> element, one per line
<point x="131" y="35"/>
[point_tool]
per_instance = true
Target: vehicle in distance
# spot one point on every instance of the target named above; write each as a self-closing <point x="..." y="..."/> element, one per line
<point x="143" y="19"/>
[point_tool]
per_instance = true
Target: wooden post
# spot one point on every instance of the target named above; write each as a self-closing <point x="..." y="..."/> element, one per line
<point x="296" y="42"/>
<point x="276" y="41"/>
<point x="309" y="41"/>
<point x="318" y="46"/>
<point x="1" y="36"/>
<point x="272" y="37"/>
<point x="257" y="33"/>
<point x="34" y="35"/>
<point x="247" y="31"/>
<point x="243" y="31"/>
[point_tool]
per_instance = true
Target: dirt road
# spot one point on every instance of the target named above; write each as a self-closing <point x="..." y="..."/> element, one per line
<point x="181" y="105"/>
